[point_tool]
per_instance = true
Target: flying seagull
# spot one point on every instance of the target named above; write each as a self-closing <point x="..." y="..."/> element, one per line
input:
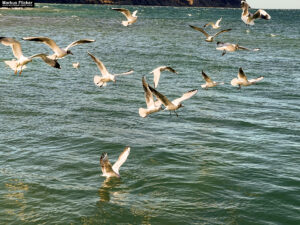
<point x="229" y="47"/>
<point x="109" y="170"/>
<point x="214" y="25"/>
<point x="156" y="73"/>
<point x="175" y="104"/>
<point x="209" y="83"/>
<point x="152" y="106"/>
<point x="209" y="38"/>
<point x="76" y="65"/>
<point x="106" y="76"/>
<point x="243" y="81"/>
<point x="248" y="18"/>
<point x="131" y="18"/>
<point x="58" y="52"/>
<point x="19" y="64"/>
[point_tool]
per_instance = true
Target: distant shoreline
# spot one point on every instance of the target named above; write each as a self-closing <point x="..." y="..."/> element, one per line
<point x="177" y="3"/>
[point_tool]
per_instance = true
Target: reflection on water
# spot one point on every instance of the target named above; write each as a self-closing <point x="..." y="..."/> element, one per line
<point x="106" y="190"/>
<point x="16" y="202"/>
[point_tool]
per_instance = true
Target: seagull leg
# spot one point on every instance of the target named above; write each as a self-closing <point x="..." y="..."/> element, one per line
<point x="239" y="87"/>
<point x="176" y="113"/>
<point x="224" y="52"/>
<point x="20" y="71"/>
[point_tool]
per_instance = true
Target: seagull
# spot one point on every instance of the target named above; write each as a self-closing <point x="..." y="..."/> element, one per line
<point x="109" y="170"/>
<point x="76" y="65"/>
<point x="152" y="106"/>
<point x="248" y="18"/>
<point x="209" y="83"/>
<point x="209" y="38"/>
<point x="106" y="76"/>
<point x="131" y="18"/>
<point x="175" y="104"/>
<point x="229" y="47"/>
<point x="243" y="81"/>
<point x="19" y="64"/>
<point x="156" y="72"/>
<point x="58" y="52"/>
<point x="214" y="25"/>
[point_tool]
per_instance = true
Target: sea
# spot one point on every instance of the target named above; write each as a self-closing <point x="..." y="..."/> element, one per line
<point x="232" y="156"/>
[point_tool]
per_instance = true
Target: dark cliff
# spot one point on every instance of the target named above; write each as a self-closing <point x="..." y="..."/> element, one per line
<point x="196" y="3"/>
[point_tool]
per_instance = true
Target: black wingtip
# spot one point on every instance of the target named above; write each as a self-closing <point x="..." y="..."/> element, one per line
<point x="57" y="65"/>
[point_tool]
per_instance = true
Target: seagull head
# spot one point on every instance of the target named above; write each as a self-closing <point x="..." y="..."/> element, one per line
<point x="69" y="52"/>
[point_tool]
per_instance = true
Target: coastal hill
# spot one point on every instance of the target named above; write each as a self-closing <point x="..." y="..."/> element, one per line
<point x="195" y="3"/>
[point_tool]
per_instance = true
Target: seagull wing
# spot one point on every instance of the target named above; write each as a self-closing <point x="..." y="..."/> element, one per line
<point x="156" y="75"/>
<point x="105" y="164"/>
<point x="218" y="21"/>
<point x="148" y="94"/>
<point x="222" y="31"/>
<point x="14" y="44"/>
<point x="261" y="14"/>
<point x="46" y="41"/>
<point x="206" y="78"/>
<point x="253" y="81"/>
<point x="100" y="65"/>
<point x="185" y="96"/>
<point x="201" y="30"/>
<point x="46" y="59"/>
<point x="168" y="68"/>
<point x="134" y="13"/>
<point x="126" y="73"/>
<point x="243" y="48"/>
<point x="163" y="99"/>
<point x="122" y="158"/>
<point x="241" y="75"/>
<point x="125" y="12"/>
<point x="83" y="41"/>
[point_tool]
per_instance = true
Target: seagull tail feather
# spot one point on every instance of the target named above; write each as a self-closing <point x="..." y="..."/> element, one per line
<point x="125" y="23"/>
<point x="143" y="112"/>
<point x="13" y="64"/>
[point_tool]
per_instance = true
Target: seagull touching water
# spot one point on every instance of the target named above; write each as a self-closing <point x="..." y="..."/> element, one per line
<point x="109" y="170"/>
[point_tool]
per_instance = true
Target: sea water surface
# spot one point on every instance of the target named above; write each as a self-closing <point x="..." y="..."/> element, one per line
<point x="231" y="157"/>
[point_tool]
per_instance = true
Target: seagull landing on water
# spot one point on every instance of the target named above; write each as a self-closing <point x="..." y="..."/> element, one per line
<point x="109" y="170"/>
<point x="248" y="18"/>
<point x="228" y="47"/>
<point x="243" y="81"/>
<point x="106" y="76"/>
<point x="58" y="52"/>
<point x="214" y="25"/>
<point x="152" y="106"/>
<point x="209" y="83"/>
<point x="209" y="38"/>
<point x="131" y="18"/>
<point x="175" y="104"/>
<point x="156" y="73"/>
<point x="19" y="64"/>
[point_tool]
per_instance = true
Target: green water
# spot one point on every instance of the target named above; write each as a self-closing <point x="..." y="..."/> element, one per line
<point x="231" y="157"/>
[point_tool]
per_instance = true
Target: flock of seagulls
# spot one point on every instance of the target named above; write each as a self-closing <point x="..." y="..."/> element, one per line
<point x="155" y="100"/>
